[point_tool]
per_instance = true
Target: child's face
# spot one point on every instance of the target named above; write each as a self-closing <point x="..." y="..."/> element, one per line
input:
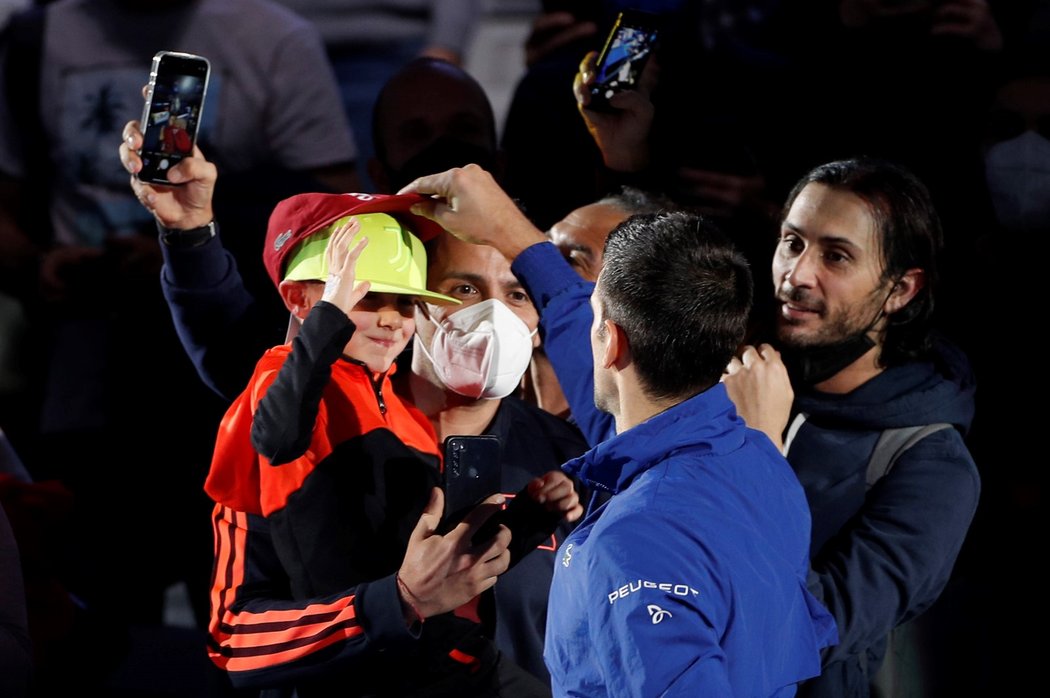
<point x="385" y="323"/>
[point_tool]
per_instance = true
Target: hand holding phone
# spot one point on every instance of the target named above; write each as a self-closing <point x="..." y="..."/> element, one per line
<point x="627" y="49"/>
<point x="172" y="113"/>
<point x="182" y="207"/>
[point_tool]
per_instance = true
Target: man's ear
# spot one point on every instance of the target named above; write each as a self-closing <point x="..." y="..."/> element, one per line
<point x="615" y="351"/>
<point x="293" y="293"/>
<point x="907" y="286"/>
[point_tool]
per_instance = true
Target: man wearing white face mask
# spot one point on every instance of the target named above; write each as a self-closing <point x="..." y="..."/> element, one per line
<point x="467" y="365"/>
<point x="480" y="351"/>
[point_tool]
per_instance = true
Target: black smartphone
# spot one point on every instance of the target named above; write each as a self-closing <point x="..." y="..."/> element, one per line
<point x="628" y="47"/>
<point x="178" y="83"/>
<point x="472" y="473"/>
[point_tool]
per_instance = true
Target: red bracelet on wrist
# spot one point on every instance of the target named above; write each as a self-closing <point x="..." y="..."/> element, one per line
<point x="407" y="596"/>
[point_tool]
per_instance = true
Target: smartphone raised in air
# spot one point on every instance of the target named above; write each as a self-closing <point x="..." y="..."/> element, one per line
<point x="178" y="83"/>
<point x="627" y="49"/>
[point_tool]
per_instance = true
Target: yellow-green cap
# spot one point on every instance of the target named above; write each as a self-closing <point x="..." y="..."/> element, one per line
<point x="394" y="260"/>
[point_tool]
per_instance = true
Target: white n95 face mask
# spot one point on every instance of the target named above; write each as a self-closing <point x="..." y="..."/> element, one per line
<point x="1018" y="176"/>
<point x="480" y="351"/>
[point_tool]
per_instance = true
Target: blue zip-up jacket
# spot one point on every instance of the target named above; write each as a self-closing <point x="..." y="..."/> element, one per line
<point x="691" y="579"/>
<point x="879" y="558"/>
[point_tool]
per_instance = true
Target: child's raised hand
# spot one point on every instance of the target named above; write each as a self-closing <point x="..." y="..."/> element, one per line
<point x="340" y="288"/>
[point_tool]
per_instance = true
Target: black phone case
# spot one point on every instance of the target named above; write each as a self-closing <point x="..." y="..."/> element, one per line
<point x="472" y="473"/>
<point x="172" y="113"/>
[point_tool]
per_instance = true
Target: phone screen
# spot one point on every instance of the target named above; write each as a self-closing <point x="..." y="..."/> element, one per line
<point x="623" y="57"/>
<point x="178" y="83"/>
<point x="472" y="473"/>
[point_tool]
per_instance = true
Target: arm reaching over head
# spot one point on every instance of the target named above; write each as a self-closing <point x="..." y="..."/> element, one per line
<point x="467" y="202"/>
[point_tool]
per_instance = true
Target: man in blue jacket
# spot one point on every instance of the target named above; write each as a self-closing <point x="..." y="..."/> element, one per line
<point x="691" y="578"/>
<point x="855" y="272"/>
<point x="881" y="405"/>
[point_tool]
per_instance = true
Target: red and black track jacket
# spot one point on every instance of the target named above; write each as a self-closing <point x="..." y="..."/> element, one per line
<point x="308" y="540"/>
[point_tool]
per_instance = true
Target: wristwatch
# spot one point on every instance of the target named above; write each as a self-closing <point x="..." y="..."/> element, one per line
<point x="193" y="237"/>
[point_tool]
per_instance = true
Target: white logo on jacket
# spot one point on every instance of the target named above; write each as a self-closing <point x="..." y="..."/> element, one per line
<point x="639" y="584"/>
<point x="657" y="614"/>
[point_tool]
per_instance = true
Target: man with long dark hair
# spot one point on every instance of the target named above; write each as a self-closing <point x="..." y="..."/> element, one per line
<point x="855" y="270"/>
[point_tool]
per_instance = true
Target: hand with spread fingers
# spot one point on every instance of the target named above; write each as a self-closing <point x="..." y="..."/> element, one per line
<point x="340" y="288"/>
<point x="758" y="384"/>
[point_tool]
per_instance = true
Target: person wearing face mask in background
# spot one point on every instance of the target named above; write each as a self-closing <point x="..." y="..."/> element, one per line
<point x="1018" y="176"/>
<point x="467" y="363"/>
<point x="480" y="352"/>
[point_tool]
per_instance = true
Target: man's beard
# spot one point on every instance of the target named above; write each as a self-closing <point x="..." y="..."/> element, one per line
<point x="839" y="342"/>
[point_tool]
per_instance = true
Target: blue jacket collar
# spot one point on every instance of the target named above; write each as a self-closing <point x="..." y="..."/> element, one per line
<point x="707" y="421"/>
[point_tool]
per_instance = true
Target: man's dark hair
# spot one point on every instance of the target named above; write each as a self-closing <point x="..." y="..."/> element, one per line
<point x="682" y="294"/>
<point x="910" y="238"/>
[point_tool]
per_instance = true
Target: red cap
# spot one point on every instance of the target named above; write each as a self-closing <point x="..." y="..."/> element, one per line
<point x="299" y="216"/>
